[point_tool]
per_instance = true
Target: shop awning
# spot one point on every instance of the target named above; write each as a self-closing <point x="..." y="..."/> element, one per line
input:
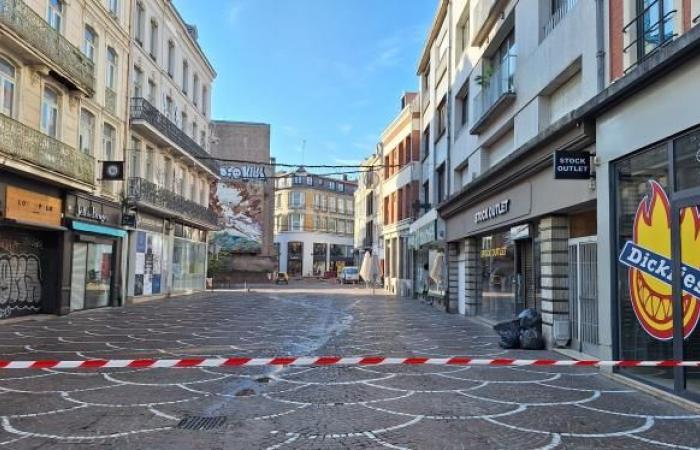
<point x="98" y="229"/>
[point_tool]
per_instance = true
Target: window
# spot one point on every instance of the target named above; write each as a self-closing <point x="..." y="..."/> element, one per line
<point x="331" y="204"/>
<point x="332" y="225"/>
<point x="49" y="112"/>
<point x="135" y="158"/>
<point x="655" y="25"/>
<point x="203" y="193"/>
<point x="464" y="108"/>
<point x="426" y="193"/>
<point x="183" y="121"/>
<point x="500" y="71"/>
<point x="185" y="76"/>
<point x="203" y="139"/>
<point x="195" y="88"/>
<point x="441" y="118"/>
<point x="341" y="206"/>
<point x="324" y="202"/>
<point x="195" y="128"/>
<point x="369" y="204"/>
<point x="152" y="92"/>
<point x="138" y="82"/>
<point x="149" y="163"/>
<point x="317" y="223"/>
<point x="331" y="185"/>
<point x="7" y="88"/>
<point x="440" y="181"/>
<point x="90" y="43"/>
<point x="464" y="35"/>
<point x="350" y="207"/>
<point x="297" y="199"/>
<point x="171" y="58"/>
<point x="87" y="132"/>
<point x="169" y="107"/>
<point x="310" y="181"/>
<point x="426" y="142"/>
<point x="317" y="200"/>
<point x="341" y="187"/>
<point x="140" y="22"/>
<point x="154" y="39"/>
<point x="108" y="142"/>
<point x="111" y="69"/>
<point x="205" y="100"/>
<point x="55" y="15"/>
<point x="296" y="222"/>
<point x="113" y="6"/>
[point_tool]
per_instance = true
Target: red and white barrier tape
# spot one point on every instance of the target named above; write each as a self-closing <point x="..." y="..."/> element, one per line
<point x="328" y="361"/>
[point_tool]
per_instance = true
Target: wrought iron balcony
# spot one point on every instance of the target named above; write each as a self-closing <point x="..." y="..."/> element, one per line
<point x="150" y="194"/>
<point x="497" y="92"/>
<point x="142" y="110"/>
<point x="35" y="31"/>
<point x="25" y="143"/>
<point x="557" y="16"/>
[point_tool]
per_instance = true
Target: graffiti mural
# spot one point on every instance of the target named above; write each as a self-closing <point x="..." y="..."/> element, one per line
<point x="20" y="276"/>
<point x="241" y="213"/>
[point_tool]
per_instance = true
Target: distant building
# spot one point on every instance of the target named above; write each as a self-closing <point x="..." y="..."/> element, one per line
<point x="368" y="211"/>
<point x="313" y="223"/>
<point x="242" y="249"/>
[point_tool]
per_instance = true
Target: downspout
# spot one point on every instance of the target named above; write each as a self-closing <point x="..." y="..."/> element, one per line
<point x="450" y="115"/>
<point x="600" y="41"/>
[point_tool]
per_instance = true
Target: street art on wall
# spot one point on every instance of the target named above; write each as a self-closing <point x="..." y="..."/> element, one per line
<point x="20" y="276"/>
<point x="241" y="215"/>
<point x="648" y="258"/>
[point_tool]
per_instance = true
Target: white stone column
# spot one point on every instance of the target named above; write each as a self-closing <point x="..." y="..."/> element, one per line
<point x="554" y="262"/>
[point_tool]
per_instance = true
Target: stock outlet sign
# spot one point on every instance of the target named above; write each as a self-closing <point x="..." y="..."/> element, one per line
<point x="650" y="267"/>
<point x="572" y="165"/>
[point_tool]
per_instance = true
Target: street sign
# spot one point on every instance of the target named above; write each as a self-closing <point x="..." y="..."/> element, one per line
<point x="572" y="165"/>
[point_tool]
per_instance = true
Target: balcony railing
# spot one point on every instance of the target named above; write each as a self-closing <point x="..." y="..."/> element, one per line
<point x="27" y="144"/>
<point x="110" y="100"/>
<point x="496" y="90"/>
<point x="649" y="30"/>
<point x="143" y="191"/>
<point x="141" y="109"/>
<point x="32" y="28"/>
<point x="557" y="16"/>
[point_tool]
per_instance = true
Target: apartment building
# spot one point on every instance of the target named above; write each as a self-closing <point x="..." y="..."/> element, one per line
<point x="63" y="87"/>
<point x="314" y="223"/>
<point x="368" y="235"/>
<point x="401" y="176"/>
<point x="243" y="248"/>
<point x="428" y="230"/>
<point x="170" y="172"/>
<point x="515" y="233"/>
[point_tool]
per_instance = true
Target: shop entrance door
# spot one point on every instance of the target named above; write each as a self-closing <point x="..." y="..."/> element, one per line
<point x="685" y="241"/>
<point x="524" y="276"/>
<point x="583" y="293"/>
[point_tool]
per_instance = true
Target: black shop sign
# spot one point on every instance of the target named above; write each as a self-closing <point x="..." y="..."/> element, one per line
<point x="572" y="165"/>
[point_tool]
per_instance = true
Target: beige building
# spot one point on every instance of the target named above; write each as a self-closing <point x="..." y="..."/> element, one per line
<point x="314" y="223"/>
<point x="170" y="172"/>
<point x="63" y="95"/>
<point x="368" y="210"/>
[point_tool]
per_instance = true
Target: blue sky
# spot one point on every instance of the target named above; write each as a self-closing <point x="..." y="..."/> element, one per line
<point x="330" y="72"/>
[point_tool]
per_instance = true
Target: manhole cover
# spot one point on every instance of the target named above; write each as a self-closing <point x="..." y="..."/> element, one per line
<point x="201" y="422"/>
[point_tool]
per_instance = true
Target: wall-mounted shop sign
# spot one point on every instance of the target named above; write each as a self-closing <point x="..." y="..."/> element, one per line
<point x="492" y="212"/>
<point x="572" y="165"/>
<point x="29" y="206"/>
<point x="112" y="170"/>
<point x="90" y="212"/>
<point x="249" y="172"/>
<point x="86" y="207"/>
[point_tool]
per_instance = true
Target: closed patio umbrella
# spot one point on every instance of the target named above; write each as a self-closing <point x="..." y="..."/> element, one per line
<point x="365" y="268"/>
<point x="437" y="271"/>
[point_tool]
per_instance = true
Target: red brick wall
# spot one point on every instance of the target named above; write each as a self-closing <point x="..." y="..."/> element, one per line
<point x="686" y="16"/>
<point x="616" y="38"/>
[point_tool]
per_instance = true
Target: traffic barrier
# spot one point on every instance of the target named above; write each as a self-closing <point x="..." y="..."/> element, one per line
<point x="330" y="361"/>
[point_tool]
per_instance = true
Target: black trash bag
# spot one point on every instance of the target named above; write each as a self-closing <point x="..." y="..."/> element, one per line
<point x="531" y="339"/>
<point x="509" y="331"/>
<point x="530" y="318"/>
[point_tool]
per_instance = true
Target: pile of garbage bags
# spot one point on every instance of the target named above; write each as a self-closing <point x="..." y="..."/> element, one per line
<point x="525" y="331"/>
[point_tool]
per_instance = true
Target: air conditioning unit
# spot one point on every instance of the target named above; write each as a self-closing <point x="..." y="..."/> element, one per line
<point x="562" y="332"/>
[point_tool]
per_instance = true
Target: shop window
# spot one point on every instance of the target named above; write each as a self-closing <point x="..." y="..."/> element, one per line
<point x="49" y="112"/>
<point x="7" y="88"/>
<point x="686" y="161"/>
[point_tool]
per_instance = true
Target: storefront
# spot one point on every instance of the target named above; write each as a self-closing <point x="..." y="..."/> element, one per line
<point x="513" y="237"/>
<point x="320" y="259"/>
<point x="30" y="237"/>
<point x="340" y="256"/>
<point x="148" y="253"/>
<point x="426" y="245"/>
<point x="95" y="247"/>
<point x="189" y="264"/>
<point x="295" y="258"/>
<point x="656" y="280"/>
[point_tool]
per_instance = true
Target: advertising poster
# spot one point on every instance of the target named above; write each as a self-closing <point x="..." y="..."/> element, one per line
<point x="242" y="213"/>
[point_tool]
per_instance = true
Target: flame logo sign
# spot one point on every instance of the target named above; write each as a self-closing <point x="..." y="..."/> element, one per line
<point x="649" y="259"/>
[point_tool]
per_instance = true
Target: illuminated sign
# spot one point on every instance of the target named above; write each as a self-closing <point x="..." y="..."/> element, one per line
<point x="492" y="212"/>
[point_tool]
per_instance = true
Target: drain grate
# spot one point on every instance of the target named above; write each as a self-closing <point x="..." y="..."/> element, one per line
<point x="201" y="422"/>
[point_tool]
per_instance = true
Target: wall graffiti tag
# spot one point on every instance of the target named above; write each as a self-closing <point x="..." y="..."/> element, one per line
<point x="21" y="276"/>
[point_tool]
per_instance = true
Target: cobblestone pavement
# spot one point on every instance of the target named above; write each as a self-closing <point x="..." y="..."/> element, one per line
<point x="421" y="407"/>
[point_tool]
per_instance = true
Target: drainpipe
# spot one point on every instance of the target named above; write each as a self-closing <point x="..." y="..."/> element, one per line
<point x="600" y="41"/>
<point x="448" y="168"/>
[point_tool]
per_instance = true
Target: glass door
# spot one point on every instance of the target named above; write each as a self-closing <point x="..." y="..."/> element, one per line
<point x="686" y="287"/>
